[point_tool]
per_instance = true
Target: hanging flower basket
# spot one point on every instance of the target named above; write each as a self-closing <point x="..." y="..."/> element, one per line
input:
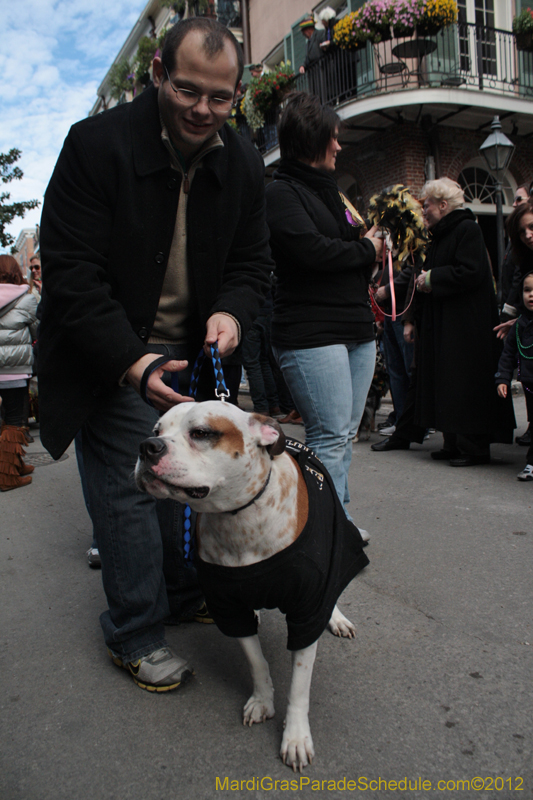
<point x="378" y="20"/>
<point x="436" y="14"/>
<point x="348" y="34"/>
<point x="428" y="28"/>
<point x="266" y="93"/>
<point x="523" y="29"/>
<point x="375" y="16"/>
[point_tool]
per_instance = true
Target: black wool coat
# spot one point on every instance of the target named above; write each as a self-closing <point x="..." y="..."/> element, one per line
<point x="458" y="349"/>
<point x="322" y="269"/>
<point x="107" y="226"/>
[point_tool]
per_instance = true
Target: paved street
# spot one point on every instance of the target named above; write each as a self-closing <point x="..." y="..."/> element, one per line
<point x="437" y="686"/>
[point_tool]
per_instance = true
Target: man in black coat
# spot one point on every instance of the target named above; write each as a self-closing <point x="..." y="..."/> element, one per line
<point x="154" y="242"/>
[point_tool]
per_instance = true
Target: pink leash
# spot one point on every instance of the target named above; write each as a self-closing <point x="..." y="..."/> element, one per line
<point x="391" y="284"/>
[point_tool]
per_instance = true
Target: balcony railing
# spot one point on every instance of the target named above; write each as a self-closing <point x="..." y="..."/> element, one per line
<point x="462" y="56"/>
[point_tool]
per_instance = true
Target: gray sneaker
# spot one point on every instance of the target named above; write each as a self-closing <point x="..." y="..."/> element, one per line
<point x="526" y="474"/>
<point x="161" y="671"/>
<point x="388" y="431"/>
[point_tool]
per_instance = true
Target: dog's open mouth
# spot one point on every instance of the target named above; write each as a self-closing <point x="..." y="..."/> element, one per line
<point x="197" y="492"/>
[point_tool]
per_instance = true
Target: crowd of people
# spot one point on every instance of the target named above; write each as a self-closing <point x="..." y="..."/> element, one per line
<point x="158" y="240"/>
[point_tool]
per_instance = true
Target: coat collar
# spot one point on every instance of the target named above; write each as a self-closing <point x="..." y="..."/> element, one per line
<point x="451" y="220"/>
<point x="149" y="152"/>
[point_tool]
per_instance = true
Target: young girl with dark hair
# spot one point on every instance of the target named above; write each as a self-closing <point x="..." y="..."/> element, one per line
<point x="518" y="352"/>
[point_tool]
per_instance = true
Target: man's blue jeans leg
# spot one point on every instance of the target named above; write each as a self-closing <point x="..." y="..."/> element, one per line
<point x="329" y="386"/>
<point x="130" y="540"/>
<point x="399" y="360"/>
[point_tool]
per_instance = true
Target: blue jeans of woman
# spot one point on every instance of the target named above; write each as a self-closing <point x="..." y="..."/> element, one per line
<point x="329" y="386"/>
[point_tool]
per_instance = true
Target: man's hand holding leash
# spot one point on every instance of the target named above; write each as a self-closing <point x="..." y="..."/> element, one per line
<point x="160" y="395"/>
<point x="221" y="328"/>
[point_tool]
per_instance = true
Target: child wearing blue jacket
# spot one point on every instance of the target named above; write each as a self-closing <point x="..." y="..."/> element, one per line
<point x="518" y="352"/>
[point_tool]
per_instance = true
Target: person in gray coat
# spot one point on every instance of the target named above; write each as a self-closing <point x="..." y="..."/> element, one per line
<point x="18" y="329"/>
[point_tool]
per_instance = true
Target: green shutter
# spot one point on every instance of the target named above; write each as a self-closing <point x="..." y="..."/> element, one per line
<point x="287" y="49"/>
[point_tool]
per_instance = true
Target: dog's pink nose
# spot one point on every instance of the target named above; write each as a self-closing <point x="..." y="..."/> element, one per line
<point x="152" y="449"/>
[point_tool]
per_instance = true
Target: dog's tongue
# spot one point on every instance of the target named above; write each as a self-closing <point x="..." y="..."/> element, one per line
<point x="197" y="492"/>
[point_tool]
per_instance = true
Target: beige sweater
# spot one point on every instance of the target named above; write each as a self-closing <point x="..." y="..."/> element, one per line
<point x="174" y="303"/>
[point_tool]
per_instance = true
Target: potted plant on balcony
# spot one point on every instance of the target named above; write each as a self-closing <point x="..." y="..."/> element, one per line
<point x="436" y="14"/>
<point x="523" y="30"/>
<point x="146" y="50"/>
<point x="405" y="17"/>
<point x="266" y="93"/>
<point x="376" y="17"/>
<point x="349" y="34"/>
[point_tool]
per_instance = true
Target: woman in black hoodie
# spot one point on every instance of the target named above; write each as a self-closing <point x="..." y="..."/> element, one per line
<point x="322" y="327"/>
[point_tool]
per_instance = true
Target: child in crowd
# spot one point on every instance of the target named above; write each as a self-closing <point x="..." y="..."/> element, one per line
<point x="518" y="352"/>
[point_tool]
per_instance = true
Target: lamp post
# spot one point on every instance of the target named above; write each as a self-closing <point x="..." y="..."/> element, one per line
<point x="497" y="150"/>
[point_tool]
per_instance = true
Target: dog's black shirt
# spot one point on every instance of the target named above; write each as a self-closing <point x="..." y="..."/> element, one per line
<point x="304" y="580"/>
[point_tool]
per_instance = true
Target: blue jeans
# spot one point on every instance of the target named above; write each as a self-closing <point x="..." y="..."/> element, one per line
<point x="329" y="386"/>
<point x="398" y="359"/>
<point x="144" y="574"/>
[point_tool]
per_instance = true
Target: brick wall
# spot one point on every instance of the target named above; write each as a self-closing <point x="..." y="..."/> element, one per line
<point x="398" y="155"/>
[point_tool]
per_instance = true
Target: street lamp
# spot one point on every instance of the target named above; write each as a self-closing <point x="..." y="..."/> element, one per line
<point x="497" y="150"/>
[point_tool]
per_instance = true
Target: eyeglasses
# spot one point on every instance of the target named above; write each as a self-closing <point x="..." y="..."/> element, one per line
<point x="34" y="267"/>
<point x="188" y="98"/>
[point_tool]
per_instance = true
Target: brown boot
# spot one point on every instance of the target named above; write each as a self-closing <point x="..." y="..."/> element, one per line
<point x="13" y="470"/>
<point x="26" y="469"/>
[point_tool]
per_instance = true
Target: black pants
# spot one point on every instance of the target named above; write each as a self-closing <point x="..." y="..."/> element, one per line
<point x="13" y="405"/>
<point x="406" y="429"/>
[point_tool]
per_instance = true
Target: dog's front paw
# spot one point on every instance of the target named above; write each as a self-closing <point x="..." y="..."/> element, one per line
<point x="258" y="709"/>
<point x="339" y="625"/>
<point x="297" y="744"/>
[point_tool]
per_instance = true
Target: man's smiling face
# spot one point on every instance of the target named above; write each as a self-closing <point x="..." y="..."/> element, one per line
<point x="210" y="77"/>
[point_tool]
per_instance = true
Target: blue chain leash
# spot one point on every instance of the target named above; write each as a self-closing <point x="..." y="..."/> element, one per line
<point x="221" y="392"/>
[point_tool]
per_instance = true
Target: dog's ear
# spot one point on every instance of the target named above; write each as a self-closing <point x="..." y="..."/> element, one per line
<point x="270" y="435"/>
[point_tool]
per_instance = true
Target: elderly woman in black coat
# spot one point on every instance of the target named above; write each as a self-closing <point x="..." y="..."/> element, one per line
<point x="458" y="351"/>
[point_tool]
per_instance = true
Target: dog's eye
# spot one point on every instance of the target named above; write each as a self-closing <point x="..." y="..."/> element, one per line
<point x="200" y="433"/>
<point x="204" y="434"/>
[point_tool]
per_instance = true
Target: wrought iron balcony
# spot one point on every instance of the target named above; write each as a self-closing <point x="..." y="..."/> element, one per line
<point x="464" y="56"/>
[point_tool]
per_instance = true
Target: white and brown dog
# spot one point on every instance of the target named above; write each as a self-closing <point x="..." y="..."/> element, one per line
<point x="271" y="534"/>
